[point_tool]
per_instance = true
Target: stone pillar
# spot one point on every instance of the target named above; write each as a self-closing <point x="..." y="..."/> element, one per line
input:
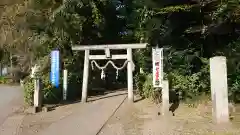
<point x="130" y="75"/>
<point x="85" y="76"/>
<point x="165" y="97"/>
<point x="37" y="95"/>
<point x="219" y="89"/>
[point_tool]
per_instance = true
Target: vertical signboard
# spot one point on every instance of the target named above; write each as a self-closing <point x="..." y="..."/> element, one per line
<point x="54" y="76"/>
<point x="157" y="60"/>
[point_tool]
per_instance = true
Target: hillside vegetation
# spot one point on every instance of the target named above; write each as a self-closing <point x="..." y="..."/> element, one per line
<point x="189" y="31"/>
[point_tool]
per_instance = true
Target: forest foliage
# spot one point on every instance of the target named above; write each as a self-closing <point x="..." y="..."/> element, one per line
<point x="190" y="32"/>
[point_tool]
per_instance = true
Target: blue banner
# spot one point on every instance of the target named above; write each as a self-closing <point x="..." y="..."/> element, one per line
<point x="54" y="76"/>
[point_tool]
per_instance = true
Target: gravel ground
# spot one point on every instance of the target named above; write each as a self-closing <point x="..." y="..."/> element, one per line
<point x="142" y="119"/>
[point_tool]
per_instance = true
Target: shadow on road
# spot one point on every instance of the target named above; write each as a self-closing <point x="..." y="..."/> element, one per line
<point x="138" y="99"/>
<point x="105" y="96"/>
<point x="109" y="94"/>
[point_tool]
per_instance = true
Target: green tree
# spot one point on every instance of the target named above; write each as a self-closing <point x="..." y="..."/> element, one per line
<point x="190" y="32"/>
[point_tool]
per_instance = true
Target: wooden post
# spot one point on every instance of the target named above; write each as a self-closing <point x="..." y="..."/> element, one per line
<point x="11" y="64"/>
<point x="65" y="78"/>
<point x="85" y="76"/>
<point x="165" y="97"/>
<point x="0" y="68"/>
<point x="37" y="95"/>
<point x="130" y="75"/>
<point x="219" y="89"/>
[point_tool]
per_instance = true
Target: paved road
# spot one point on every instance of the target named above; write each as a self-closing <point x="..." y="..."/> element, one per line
<point x="11" y="100"/>
<point x="88" y="120"/>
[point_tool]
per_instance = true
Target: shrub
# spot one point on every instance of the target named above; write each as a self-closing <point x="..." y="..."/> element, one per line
<point x="28" y="91"/>
<point x="148" y="89"/>
<point x="51" y="94"/>
<point x="234" y="87"/>
<point x="145" y="87"/>
<point x="3" y="80"/>
<point x="190" y="87"/>
<point x="139" y="81"/>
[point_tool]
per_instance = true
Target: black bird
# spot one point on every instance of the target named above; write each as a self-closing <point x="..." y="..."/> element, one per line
<point x="174" y="99"/>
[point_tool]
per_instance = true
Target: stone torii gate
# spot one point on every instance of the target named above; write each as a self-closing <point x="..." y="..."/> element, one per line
<point x="108" y="56"/>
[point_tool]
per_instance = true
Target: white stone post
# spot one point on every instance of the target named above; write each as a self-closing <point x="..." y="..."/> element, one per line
<point x="165" y="97"/>
<point x="37" y="94"/>
<point x="219" y="89"/>
<point x="65" y="78"/>
<point x="85" y="76"/>
<point x="130" y="75"/>
<point x="1" y="68"/>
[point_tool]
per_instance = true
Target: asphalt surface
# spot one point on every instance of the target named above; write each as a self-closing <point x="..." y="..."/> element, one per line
<point x="11" y="99"/>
